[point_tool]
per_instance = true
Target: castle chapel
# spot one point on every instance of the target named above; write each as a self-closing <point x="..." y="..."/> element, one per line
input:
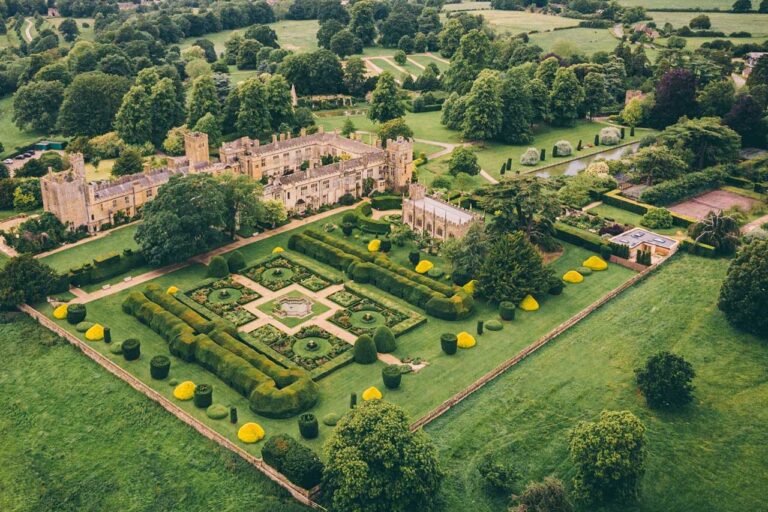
<point x="292" y="168"/>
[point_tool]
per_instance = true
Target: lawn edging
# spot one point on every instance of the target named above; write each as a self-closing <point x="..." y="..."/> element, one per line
<point x="530" y="349"/>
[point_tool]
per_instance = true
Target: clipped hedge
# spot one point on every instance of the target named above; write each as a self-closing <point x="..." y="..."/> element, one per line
<point x="614" y="198"/>
<point x="449" y="342"/>
<point x="686" y="186"/>
<point x="203" y="397"/>
<point x="387" y="202"/>
<point x="298" y="463"/>
<point x="75" y="313"/>
<point x="308" y="426"/>
<point x="384" y="340"/>
<point x="507" y="310"/>
<point x="131" y="349"/>
<point x="363" y="213"/>
<point x="364" y="350"/>
<point x="105" y="267"/>
<point x="391" y="375"/>
<point x="159" y="366"/>
<point x="578" y="237"/>
<point x="699" y="249"/>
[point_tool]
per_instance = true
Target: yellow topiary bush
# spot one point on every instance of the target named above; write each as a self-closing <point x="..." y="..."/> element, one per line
<point x="424" y="266"/>
<point x="172" y="290"/>
<point x="184" y="391"/>
<point x="374" y="245"/>
<point x="573" y="277"/>
<point x="529" y="304"/>
<point x="470" y="287"/>
<point x="277" y="250"/>
<point x="465" y="340"/>
<point x="95" y="333"/>
<point x="595" y="263"/>
<point x="60" y="313"/>
<point x="250" y="433"/>
<point x="372" y="393"/>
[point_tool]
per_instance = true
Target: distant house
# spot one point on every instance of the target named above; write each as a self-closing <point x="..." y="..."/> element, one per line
<point x="645" y="29"/>
<point x="640" y="239"/>
<point x="750" y="61"/>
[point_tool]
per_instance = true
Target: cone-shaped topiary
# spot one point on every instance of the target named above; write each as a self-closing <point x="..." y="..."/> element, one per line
<point x="218" y="267"/>
<point x="364" y="351"/>
<point x="384" y="340"/>
<point x="392" y="376"/>
<point x="352" y="400"/>
<point x="479" y="327"/>
<point x="75" y="313"/>
<point x="308" y="426"/>
<point x="233" y="415"/>
<point x="236" y="261"/>
<point x="107" y="335"/>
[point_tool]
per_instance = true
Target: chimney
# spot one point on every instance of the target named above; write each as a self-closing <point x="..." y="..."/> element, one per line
<point x="303" y="132"/>
<point x="282" y="137"/>
<point x="274" y="138"/>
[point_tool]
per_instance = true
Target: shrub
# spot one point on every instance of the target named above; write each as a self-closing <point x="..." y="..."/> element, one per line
<point x="480" y="327"/>
<point x="530" y="157"/>
<point x="497" y="476"/>
<point x="563" y="148"/>
<point x="507" y="310"/>
<point x="236" y="262"/>
<point x="386" y="245"/>
<point x="665" y="381"/>
<point x="364" y="351"/>
<point x="494" y="325"/>
<point x="159" y="366"/>
<point x="392" y="375"/>
<point x="449" y="342"/>
<point x="218" y="267"/>
<point x="744" y="294"/>
<point x="75" y="313"/>
<point x="331" y="419"/>
<point x="203" y="396"/>
<point x="657" y="218"/>
<point x="346" y="228"/>
<point x="83" y="326"/>
<point x="308" y="426"/>
<point x="691" y="184"/>
<point x="131" y="349"/>
<point x="217" y="412"/>
<point x="610" y="136"/>
<point x="384" y="340"/>
<point x="414" y="257"/>
<point x="556" y="286"/>
<point x="107" y="335"/>
<point x="606" y="252"/>
<point x="297" y="462"/>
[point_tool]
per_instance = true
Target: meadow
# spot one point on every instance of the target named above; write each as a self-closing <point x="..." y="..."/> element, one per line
<point x="709" y="5"/>
<point x="298" y="36"/>
<point x="514" y="22"/>
<point x="10" y="135"/>
<point x="756" y="24"/>
<point x="584" y="41"/>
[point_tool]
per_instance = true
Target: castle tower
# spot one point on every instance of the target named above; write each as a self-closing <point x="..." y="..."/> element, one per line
<point x="400" y="161"/>
<point x="196" y="148"/>
<point x="65" y="193"/>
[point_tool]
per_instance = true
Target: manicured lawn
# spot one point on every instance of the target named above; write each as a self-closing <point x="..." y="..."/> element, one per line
<point x="386" y="66"/>
<point x="5" y="214"/>
<point x="428" y="149"/>
<point x="627" y="217"/>
<point x="514" y="22"/>
<point x="462" y="6"/>
<point x="86" y="33"/>
<point x="425" y="125"/>
<point x="754" y="23"/>
<point x="585" y="41"/>
<point x="439" y="167"/>
<point x="116" y="241"/>
<point x="10" y="135"/>
<point x="426" y="59"/>
<point x="101" y="172"/>
<point x="708" y="457"/>
<point x="77" y="438"/>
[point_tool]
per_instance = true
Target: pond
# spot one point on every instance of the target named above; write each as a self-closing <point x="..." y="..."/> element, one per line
<point x="573" y="167"/>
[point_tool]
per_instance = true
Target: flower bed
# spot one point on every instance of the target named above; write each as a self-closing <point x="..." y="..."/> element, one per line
<point x="225" y="298"/>
<point x="363" y="315"/>
<point x="280" y="272"/>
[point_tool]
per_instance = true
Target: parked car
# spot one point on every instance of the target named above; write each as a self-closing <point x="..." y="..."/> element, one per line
<point x="8" y="161"/>
<point x="19" y="157"/>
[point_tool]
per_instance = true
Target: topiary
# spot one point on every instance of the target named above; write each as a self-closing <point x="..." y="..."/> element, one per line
<point x="116" y="348"/>
<point x="131" y="349"/>
<point x="203" y="396"/>
<point x="530" y="157"/>
<point x="233" y="415"/>
<point x="364" y="351"/>
<point x="218" y="267"/>
<point x="414" y="257"/>
<point x="352" y="400"/>
<point x="308" y="426"/>
<point x="75" y="313"/>
<point x="564" y="148"/>
<point x="297" y="462"/>
<point x="392" y="375"/>
<point x="159" y="366"/>
<point x="479" y="327"/>
<point x="331" y="419"/>
<point x="107" y="335"/>
<point x="449" y="343"/>
<point x="217" y="412"/>
<point x="507" y="310"/>
<point x="384" y="340"/>
<point x="556" y="286"/>
<point x="494" y="325"/>
<point x="584" y="271"/>
<point x="236" y="262"/>
<point x="83" y="326"/>
<point x="347" y="228"/>
<point x="386" y="245"/>
<point x="606" y="252"/>
<point x="610" y="136"/>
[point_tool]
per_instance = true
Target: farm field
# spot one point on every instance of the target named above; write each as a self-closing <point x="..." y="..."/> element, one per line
<point x="524" y="417"/>
<point x="585" y="41"/>
<point x="77" y="438"/>
<point x="514" y="22"/>
<point x="692" y="43"/>
<point x="754" y="23"/>
<point x="117" y="240"/>
<point x="723" y="5"/>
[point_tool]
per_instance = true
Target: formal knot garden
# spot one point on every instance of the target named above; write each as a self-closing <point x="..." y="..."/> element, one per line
<point x="316" y="321"/>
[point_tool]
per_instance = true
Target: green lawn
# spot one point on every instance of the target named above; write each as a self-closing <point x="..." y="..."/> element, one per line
<point x="515" y="22"/>
<point x="6" y="214"/>
<point x="116" y="241"/>
<point x="77" y="438"/>
<point x="86" y="33"/>
<point x="464" y="6"/>
<point x="426" y="59"/>
<point x="756" y="24"/>
<point x="723" y="5"/>
<point x="428" y="149"/>
<point x="298" y="36"/>
<point x="10" y="135"/>
<point x="101" y="172"/>
<point x="386" y="66"/>
<point x="709" y="457"/>
<point x="627" y="217"/>
<point x="695" y="42"/>
<point x="425" y="125"/>
<point x="585" y="41"/>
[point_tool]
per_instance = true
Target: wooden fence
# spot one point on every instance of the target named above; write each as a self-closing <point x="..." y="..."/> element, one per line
<point x="300" y="494"/>
<point x="530" y="349"/>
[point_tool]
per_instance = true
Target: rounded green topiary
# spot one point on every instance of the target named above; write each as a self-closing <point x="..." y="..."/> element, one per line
<point x="435" y="273"/>
<point x="116" y="348"/>
<point x="331" y="419"/>
<point x="507" y="310"/>
<point x="217" y="412"/>
<point x="364" y="351"/>
<point x="236" y="261"/>
<point x="308" y="426"/>
<point x="173" y="382"/>
<point x="131" y="349"/>
<point x="392" y="376"/>
<point x="449" y="343"/>
<point x="203" y="396"/>
<point x="159" y="366"/>
<point x="75" y="313"/>
<point x="218" y="267"/>
<point x="384" y="340"/>
<point x="494" y="325"/>
<point x="584" y="271"/>
<point x="83" y="326"/>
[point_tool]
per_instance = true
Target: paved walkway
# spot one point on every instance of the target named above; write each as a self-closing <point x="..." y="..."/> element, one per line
<point x="592" y="205"/>
<point x="754" y="224"/>
<point x="490" y="179"/>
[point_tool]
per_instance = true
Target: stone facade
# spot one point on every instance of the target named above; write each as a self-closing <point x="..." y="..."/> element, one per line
<point x="435" y="217"/>
<point x="291" y="168"/>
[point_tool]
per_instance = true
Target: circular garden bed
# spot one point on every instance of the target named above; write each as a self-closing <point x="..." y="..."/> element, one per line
<point x="224" y="296"/>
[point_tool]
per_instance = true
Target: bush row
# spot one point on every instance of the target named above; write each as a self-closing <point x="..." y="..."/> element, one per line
<point x="686" y="186"/>
<point x="363" y="214"/>
<point x="614" y="198"/>
<point x="700" y="249"/>
<point x="387" y="202"/>
<point x="272" y="391"/>
<point x="294" y="460"/>
<point x="105" y="267"/>
<point x="578" y="237"/>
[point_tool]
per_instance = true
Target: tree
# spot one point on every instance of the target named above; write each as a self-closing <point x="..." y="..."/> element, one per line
<point x="400" y="23"/>
<point x="464" y="253"/>
<point x="566" y="98"/>
<point x="344" y="43"/>
<point x="464" y="160"/>
<point x="429" y="79"/>
<point x="375" y="463"/>
<point x="526" y="205"/>
<point x="183" y="220"/>
<point x="273" y="212"/>
<point x="248" y="54"/>
<point x="539" y="94"/>
<point x="385" y="101"/>
<point x="211" y="126"/>
<point x="280" y="102"/>
<point x="700" y="22"/>
<point x="471" y="57"/>
<point x="32" y="168"/>
<point x="742" y="6"/>
<point x="759" y="74"/>
<point x="203" y="99"/>
<point x="675" y="97"/>
<point x="348" y="128"/>
<point x="263" y="34"/>
<point x="716" y="98"/>
<point x="547" y="71"/>
<point x="332" y="10"/>
<point x="609" y="456"/>
<point x="355" y="77"/>
<point x="326" y="32"/>
<point x="129" y="162"/>
<point x="746" y="119"/>
<point x="393" y="129"/>
<point x="253" y="114"/>
<point x="166" y="111"/>
<point x="69" y="29"/>
<point x="546" y="496"/>
<point x="133" y="122"/>
<point x="483" y="115"/>
<point x="36" y="105"/>
<point x="633" y="112"/>
<point x="242" y="201"/>
<point x="719" y="230"/>
<point x="24" y="279"/>
<point x="595" y="93"/>
<point x="744" y="294"/>
<point x="665" y="381"/>
<point x="702" y="142"/>
<point x="361" y="22"/>
<point x="91" y="102"/>
<point x="763" y="6"/>
<point x="654" y="164"/>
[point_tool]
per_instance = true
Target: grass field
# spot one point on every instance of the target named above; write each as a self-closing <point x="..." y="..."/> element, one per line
<point x="723" y="5"/>
<point x="466" y="6"/>
<point x="77" y="438"/>
<point x="585" y="41"/>
<point x="442" y="65"/>
<point x="692" y="43"/>
<point x="117" y="240"/>
<point x="386" y="66"/>
<point x="10" y="135"/>
<point x="514" y="22"/>
<point x="298" y="36"/>
<point x="425" y="125"/>
<point x="708" y="457"/>
<point x="86" y="33"/>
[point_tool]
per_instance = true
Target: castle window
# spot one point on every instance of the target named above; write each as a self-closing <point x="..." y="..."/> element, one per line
<point x="127" y="200"/>
<point x="439" y="231"/>
<point x="114" y="202"/>
<point x="149" y="193"/>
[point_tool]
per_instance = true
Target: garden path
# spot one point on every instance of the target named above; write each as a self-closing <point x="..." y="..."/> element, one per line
<point x="28" y="30"/>
<point x="754" y="224"/>
<point x="373" y="68"/>
<point x="592" y="205"/>
<point x="397" y="66"/>
<point x="490" y="179"/>
<point x="100" y="234"/>
<point x="437" y="57"/>
<point x="420" y="66"/>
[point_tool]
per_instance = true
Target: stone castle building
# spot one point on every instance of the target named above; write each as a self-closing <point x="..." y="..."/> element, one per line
<point x="433" y="216"/>
<point x="292" y="168"/>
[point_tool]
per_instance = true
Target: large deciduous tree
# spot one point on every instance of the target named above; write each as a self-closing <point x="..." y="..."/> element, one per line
<point x="516" y="109"/>
<point x="565" y="98"/>
<point x="362" y="23"/>
<point x="203" y="99"/>
<point x="253" y="117"/>
<point x="26" y="279"/>
<point x="36" y="105"/>
<point x="746" y="119"/>
<point x="91" y="102"/>
<point x="385" y="100"/>
<point x="483" y="115"/>
<point x="464" y="160"/>
<point x="665" y="381"/>
<point x="375" y="463"/>
<point x="702" y="142"/>
<point x="716" y="98"/>
<point x="657" y="163"/>
<point x="719" y="230"/>
<point x="675" y="97"/>
<point x="472" y="56"/>
<point x="744" y="294"/>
